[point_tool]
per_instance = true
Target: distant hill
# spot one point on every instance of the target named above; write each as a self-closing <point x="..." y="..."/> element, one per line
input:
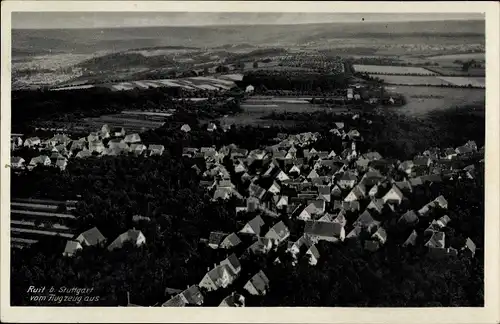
<point x="93" y="40"/>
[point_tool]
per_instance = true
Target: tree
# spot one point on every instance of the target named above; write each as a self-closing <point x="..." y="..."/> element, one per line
<point x="255" y="65"/>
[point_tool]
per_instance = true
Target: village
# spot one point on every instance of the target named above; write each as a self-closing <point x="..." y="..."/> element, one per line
<point x="344" y="197"/>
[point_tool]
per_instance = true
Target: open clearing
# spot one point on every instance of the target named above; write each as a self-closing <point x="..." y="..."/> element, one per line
<point x="389" y="69"/>
<point x="446" y="98"/>
<point x="476" y="82"/>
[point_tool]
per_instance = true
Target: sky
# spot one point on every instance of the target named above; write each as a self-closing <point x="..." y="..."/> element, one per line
<point x="64" y="20"/>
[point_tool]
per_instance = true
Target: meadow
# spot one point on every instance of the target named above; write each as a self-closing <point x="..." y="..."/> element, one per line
<point x="475" y="82"/>
<point x="384" y="69"/>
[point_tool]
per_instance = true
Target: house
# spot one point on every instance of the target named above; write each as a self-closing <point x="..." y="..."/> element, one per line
<point x="77" y="145"/>
<point x="84" y="154"/>
<point x="372" y="156"/>
<point x="371" y="245"/>
<point x="281" y="201"/>
<point x="404" y="186"/>
<point x="339" y="125"/>
<point x="313" y="254"/>
<point x="155" y="150"/>
<point x="61" y="163"/>
<point x="239" y="168"/>
<point x="433" y="227"/>
<point x="256" y="191"/>
<point x="211" y="127"/>
<point x="16" y="141"/>
<point x="17" y="162"/>
<point x="294" y="170"/>
<point x="436" y="241"/>
<point x="409" y="218"/>
<point x="275" y="188"/>
<point x="39" y="160"/>
<point x="341" y="219"/>
<point x="230" y="241"/>
<point x="117" y="132"/>
<point x="71" y="248"/>
<point x="336" y="191"/>
<point x="365" y="220"/>
<point x="470" y="248"/>
<point x="347" y="180"/>
<point x="93" y="136"/>
<point x="346" y="205"/>
<point x="324" y="193"/>
<point x="317" y="231"/>
<point x="252" y="204"/>
<point x="32" y="142"/>
<point x="191" y="296"/>
<point x="215" y="239"/>
<point x="316" y="207"/>
<point x="250" y="89"/>
<point x="354" y="233"/>
<point x="258" y="284"/>
<point x="220" y="276"/>
<point x="376" y="205"/>
<point x="233" y="263"/>
<point x="443" y="221"/>
<point x="422" y="161"/>
<point x="117" y="143"/>
<point x="406" y="167"/>
<point x="357" y="193"/>
<point x="312" y="174"/>
<point x="380" y="235"/>
<point x="139" y="218"/>
<point x="105" y="131"/>
<point x="185" y="128"/>
<point x="91" y="237"/>
<point x="96" y="146"/>
<point x="223" y="193"/>
<point x="278" y="233"/>
<point x="253" y="226"/>
<point x="134" y="236"/>
<point x="394" y="195"/>
<point x="262" y="246"/>
<point x="411" y="240"/>
<point x="137" y="148"/>
<point x="132" y="138"/>
<point x="233" y="300"/>
<point x="439" y="202"/>
<point x="464" y="149"/>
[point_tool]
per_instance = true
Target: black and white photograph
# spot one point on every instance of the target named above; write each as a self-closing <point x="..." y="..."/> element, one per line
<point x="246" y="159"/>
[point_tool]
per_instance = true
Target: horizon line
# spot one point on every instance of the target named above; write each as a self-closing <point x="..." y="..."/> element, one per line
<point x="247" y="25"/>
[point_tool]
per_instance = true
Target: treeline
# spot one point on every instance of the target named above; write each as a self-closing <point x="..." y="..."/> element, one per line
<point x="285" y="80"/>
<point x="31" y="107"/>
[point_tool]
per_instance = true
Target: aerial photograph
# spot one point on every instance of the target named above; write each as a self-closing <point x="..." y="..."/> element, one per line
<point x="238" y="159"/>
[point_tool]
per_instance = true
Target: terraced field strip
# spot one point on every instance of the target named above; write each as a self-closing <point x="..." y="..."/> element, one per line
<point x="43" y="201"/>
<point x="40" y="232"/>
<point x="476" y="82"/>
<point x="42" y="214"/>
<point x="30" y="225"/>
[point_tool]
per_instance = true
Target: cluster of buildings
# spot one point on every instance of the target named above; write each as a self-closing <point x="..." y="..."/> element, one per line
<point x="317" y="61"/>
<point x="345" y="196"/>
<point x="57" y="150"/>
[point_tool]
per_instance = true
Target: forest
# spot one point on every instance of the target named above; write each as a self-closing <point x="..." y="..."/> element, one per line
<point x="166" y="189"/>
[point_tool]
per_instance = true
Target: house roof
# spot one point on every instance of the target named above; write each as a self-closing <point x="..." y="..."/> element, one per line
<point x="412" y="238"/>
<point x="156" y="147"/>
<point x="416" y="181"/>
<point x="216" y="237"/>
<point x="218" y="272"/>
<point x="364" y="219"/>
<point x="396" y="190"/>
<point x="232" y="239"/>
<point x="315" y="206"/>
<point x="176" y="301"/>
<point x="233" y="263"/>
<point x="130" y="235"/>
<point x="358" y="192"/>
<point x="403" y="185"/>
<point x="377" y="204"/>
<point x="193" y="295"/>
<point x="436" y="241"/>
<point x="441" y="201"/>
<point x="256" y="223"/>
<point x="470" y="245"/>
<point x="233" y="300"/>
<point x="261" y="244"/>
<point x="410" y="217"/>
<point x="373" y="156"/>
<point x="16" y="159"/>
<point x="348" y="176"/>
<point x="280" y="229"/>
<point x="260" y="281"/>
<point x="313" y="250"/>
<point x="72" y="247"/>
<point x="421" y="161"/>
<point x="324" y="229"/>
<point x="380" y="234"/>
<point x="93" y="236"/>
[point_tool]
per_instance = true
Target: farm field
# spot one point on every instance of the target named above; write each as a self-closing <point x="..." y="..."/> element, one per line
<point x="130" y="122"/>
<point x="455" y="70"/>
<point x="460" y="56"/>
<point x="381" y="69"/>
<point x="255" y="108"/>
<point x="476" y="82"/>
<point x="33" y="220"/>
<point x="444" y="98"/>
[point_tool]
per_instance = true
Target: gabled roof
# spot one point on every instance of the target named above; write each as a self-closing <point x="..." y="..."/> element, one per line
<point x="365" y="219"/>
<point x="373" y="156"/>
<point x="323" y="229"/>
<point x="261" y="244"/>
<point x="470" y="245"/>
<point x="380" y="235"/>
<point x="348" y="176"/>
<point x="233" y="263"/>
<point x="260" y="281"/>
<point x="72" y="247"/>
<point x="232" y="239"/>
<point x="280" y="229"/>
<point x="193" y="295"/>
<point x="313" y="250"/>
<point x="410" y="217"/>
<point x="176" y="301"/>
<point x="376" y="204"/>
<point x="216" y="237"/>
<point x="412" y="239"/>
<point x="315" y="206"/>
<point x="233" y="300"/>
<point x="93" y="236"/>
<point x="437" y="240"/>
<point x="130" y="235"/>
<point x="256" y="223"/>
